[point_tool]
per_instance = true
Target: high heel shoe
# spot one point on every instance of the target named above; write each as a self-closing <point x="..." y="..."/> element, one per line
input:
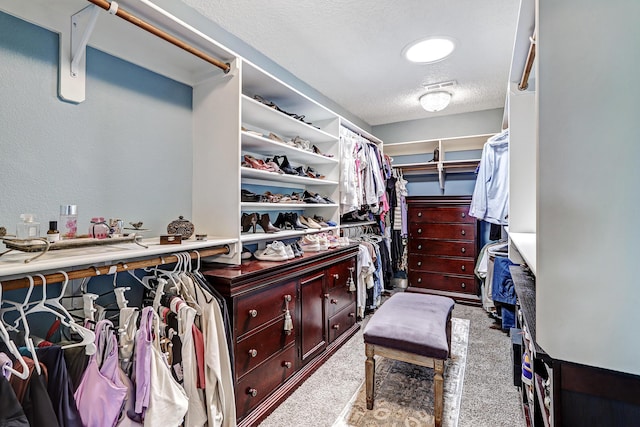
<point x="249" y="221"/>
<point x="293" y="218"/>
<point x="317" y="151"/>
<point x="281" y="223"/>
<point x="265" y="223"/>
<point x="284" y="165"/>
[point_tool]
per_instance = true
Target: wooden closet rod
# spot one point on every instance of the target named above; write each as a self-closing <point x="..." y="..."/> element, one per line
<point x="531" y="56"/>
<point x="106" y="5"/>
<point x="108" y="269"/>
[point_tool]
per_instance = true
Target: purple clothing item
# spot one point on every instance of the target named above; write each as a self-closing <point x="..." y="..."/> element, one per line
<point x="142" y="361"/>
<point x="101" y="393"/>
<point x="5" y="361"/>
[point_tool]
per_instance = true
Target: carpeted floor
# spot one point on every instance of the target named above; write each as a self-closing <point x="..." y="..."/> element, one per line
<point x="489" y="398"/>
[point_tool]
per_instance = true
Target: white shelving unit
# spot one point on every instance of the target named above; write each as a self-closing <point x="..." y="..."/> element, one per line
<point x="452" y="158"/>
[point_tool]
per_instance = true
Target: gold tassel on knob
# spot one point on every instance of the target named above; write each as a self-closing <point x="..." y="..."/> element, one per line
<point x="288" y="323"/>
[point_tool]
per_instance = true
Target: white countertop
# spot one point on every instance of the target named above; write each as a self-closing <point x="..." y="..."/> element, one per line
<point x="12" y="264"/>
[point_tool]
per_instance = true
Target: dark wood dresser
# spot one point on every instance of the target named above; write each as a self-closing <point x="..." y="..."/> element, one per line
<point x="443" y="247"/>
<point x="270" y="362"/>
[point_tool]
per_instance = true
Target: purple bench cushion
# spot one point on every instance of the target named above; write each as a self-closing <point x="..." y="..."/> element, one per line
<point x="412" y="322"/>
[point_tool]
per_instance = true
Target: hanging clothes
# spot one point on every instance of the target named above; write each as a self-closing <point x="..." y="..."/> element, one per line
<point x="33" y="396"/>
<point x="490" y="200"/>
<point x="101" y="394"/>
<point x="11" y="412"/>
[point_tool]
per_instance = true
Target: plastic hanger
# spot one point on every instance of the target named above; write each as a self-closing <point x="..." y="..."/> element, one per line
<point x="19" y="307"/>
<point x="4" y="335"/>
<point x="88" y="337"/>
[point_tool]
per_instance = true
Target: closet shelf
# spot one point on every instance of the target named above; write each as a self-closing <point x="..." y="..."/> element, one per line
<point x="282" y="206"/>
<point x="268" y="148"/>
<point x="12" y="265"/>
<point x="450" y="166"/>
<point x="284" y="178"/>
<point x="255" y="113"/>
<point x="284" y="234"/>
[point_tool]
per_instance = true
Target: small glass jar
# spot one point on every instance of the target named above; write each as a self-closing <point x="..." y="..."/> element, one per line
<point x="98" y="228"/>
<point x="53" y="235"/>
<point x="68" y="221"/>
<point x="28" y="228"/>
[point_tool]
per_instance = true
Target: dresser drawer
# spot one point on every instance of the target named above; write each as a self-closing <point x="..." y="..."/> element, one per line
<point x="440" y="282"/>
<point x="338" y="274"/>
<point x="459" y="248"/>
<point x="338" y="298"/>
<point x="441" y="265"/>
<point x="442" y="231"/>
<point x="256" y="348"/>
<point x="257" y="308"/>
<point x="341" y="322"/>
<point x="441" y="214"/>
<point x="254" y="387"/>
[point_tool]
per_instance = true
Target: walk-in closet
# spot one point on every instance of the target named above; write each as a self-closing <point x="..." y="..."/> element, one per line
<point x="275" y="214"/>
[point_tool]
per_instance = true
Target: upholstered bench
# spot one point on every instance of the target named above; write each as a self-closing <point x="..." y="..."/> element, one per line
<point x="413" y="328"/>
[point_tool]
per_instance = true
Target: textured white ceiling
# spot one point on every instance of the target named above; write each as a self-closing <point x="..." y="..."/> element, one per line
<point x="351" y="50"/>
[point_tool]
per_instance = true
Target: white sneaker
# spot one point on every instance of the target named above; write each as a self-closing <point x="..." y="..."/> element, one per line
<point x="309" y="244"/>
<point x="323" y="242"/>
<point x="289" y="252"/>
<point x="273" y="252"/>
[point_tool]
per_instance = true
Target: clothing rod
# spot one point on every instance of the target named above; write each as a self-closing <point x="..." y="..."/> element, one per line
<point x="531" y="56"/>
<point x="106" y="5"/>
<point x="108" y="269"/>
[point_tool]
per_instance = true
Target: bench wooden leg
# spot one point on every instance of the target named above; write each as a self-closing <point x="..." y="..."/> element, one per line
<point x="370" y="372"/>
<point x="438" y="391"/>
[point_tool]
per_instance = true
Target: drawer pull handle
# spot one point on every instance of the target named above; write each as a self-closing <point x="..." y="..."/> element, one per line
<point x="336" y="276"/>
<point x="287" y="298"/>
<point x="286" y="364"/>
<point x="462" y="268"/>
<point x="352" y="314"/>
<point x="419" y="214"/>
<point x="326" y="296"/>
<point x="419" y="230"/>
<point x="463" y="285"/>
<point x="463" y="215"/>
<point x="253" y="313"/>
<point x="334" y="301"/>
<point x="463" y="232"/>
<point x="463" y="250"/>
<point x="419" y="263"/>
<point x="419" y="279"/>
<point x="351" y="269"/>
<point x="336" y="327"/>
<point x="252" y="392"/>
<point x="419" y="246"/>
<point x="253" y="352"/>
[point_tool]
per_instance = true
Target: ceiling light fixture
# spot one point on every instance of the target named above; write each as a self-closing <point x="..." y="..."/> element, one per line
<point x="429" y="50"/>
<point x="435" y="101"/>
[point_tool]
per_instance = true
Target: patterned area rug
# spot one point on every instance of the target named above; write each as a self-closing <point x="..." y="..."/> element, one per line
<point x="404" y="392"/>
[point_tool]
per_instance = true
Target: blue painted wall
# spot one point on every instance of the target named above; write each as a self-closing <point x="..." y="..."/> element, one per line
<point x="125" y="152"/>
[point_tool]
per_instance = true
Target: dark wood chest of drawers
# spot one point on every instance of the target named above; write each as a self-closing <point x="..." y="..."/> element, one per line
<point x="443" y="247"/>
<point x="269" y="361"/>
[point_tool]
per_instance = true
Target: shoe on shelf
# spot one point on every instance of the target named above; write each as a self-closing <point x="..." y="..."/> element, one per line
<point x="310" y="222"/>
<point x="284" y="165"/>
<point x="249" y="221"/>
<point x="332" y="223"/>
<point x="246" y="253"/>
<point x="296" y="245"/>
<point x="265" y="223"/>
<point x="274" y="137"/>
<point x="289" y="251"/>
<point x="248" y="196"/>
<point x="302" y="144"/>
<point x="323" y="242"/>
<point x="309" y="244"/>
<point x="320" y="221"/>
<point x="275" y="251"/>
<point x="253" y="132"/>
<point x="527" y="373"/>
<point x="294" y="220"/>
<point x="317" y="151"/>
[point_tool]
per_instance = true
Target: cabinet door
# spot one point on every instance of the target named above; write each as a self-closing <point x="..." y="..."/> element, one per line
<point x="312" y="317"/>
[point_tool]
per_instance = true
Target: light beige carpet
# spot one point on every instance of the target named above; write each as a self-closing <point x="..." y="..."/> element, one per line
<point x="404" y="392"/>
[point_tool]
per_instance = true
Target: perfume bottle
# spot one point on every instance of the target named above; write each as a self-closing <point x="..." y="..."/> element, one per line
<point x="28" y="228"/>
<point x="68" y="221"/>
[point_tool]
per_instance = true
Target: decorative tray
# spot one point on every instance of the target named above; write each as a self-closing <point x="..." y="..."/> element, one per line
<point x="43" y="246"/>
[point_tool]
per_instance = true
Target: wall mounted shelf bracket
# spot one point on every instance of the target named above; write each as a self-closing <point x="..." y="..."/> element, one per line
<point x="73" y="46"/>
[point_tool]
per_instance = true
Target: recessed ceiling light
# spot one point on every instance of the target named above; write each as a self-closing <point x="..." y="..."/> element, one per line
<point x="429" y="50"/>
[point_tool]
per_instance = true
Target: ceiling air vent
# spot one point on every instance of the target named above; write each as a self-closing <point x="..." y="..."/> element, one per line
<point x="439" y="86"/>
